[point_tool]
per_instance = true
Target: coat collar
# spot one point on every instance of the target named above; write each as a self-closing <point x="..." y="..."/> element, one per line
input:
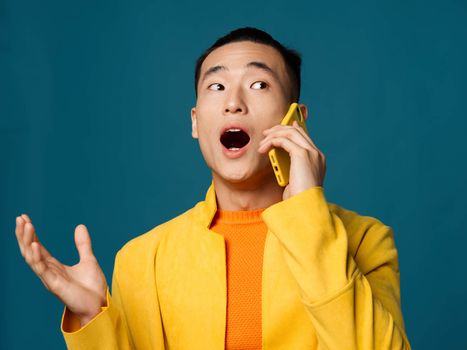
<point x="204" y="211"/>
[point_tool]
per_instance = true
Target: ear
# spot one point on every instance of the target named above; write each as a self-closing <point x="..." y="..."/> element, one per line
<point x="194" y="126"/>
<point x="304" y="110"/>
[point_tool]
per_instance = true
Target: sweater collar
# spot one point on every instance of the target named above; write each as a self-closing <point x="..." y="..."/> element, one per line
<point x="205" y="211"/>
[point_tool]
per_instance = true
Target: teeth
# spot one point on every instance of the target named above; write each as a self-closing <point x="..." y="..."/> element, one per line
<point x="234" y="149"/>
<point x="232" y="130"/>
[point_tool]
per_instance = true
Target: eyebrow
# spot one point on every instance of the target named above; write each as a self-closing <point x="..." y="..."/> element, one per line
<point x="254" y="64"/>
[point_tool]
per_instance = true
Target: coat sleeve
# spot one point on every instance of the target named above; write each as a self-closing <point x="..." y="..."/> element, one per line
<point x="350" y="306"/>
<point x="107" y="331"/>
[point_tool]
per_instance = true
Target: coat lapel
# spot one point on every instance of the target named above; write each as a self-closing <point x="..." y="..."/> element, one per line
<point x="191" y="279"/>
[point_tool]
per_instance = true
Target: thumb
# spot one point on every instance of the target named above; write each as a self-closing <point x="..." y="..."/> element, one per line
<point x="83" y="243"/>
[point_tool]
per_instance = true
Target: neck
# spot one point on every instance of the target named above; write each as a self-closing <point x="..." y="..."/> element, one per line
<point x="246" y="196"/>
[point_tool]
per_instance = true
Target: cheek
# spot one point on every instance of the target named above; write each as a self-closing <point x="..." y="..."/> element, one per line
<point x="269" y="120"/>
<point x="209" y="101"/>
<point x="269" y="112"/>
<point x="206" y="130"/>
<point x="207" y="134"/>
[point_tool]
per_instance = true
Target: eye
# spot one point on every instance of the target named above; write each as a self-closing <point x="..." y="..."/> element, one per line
<point x="216" y="87"/>
<point x="259" y="85"/>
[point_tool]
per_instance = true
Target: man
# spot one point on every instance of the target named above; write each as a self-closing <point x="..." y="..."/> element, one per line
<point x="254" y="265"/>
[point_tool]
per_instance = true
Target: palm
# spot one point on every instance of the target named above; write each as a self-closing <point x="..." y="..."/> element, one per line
<point x="80" y="287"/>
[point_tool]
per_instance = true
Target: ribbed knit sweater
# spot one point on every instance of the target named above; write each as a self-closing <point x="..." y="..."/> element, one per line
<point x="244" y="233"/>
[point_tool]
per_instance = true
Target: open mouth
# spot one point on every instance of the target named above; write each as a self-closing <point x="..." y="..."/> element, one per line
<point x="234" y="139"/>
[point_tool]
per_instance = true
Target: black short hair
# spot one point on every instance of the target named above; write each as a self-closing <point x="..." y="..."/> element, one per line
<point x="291" y="57"/>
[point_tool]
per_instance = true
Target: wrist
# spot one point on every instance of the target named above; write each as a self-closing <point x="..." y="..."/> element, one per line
<point x="85" y="319"/>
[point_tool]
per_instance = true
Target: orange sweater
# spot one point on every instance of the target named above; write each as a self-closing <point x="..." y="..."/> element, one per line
<point x="244" y="233"/>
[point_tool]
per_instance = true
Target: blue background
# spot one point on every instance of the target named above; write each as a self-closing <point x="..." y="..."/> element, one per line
<point x="95" y="101"/>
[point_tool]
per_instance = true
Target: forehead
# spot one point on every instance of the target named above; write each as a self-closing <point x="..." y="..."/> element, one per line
<point x="237" y="55"/>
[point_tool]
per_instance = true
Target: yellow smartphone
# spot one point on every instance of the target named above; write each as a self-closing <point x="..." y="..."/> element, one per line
<point x="280" y="159"/>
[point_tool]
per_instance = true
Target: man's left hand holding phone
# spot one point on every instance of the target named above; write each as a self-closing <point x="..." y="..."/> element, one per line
<point x="307" y="162"/>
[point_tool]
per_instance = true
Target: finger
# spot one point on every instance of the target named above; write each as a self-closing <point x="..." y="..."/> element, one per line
<point x="278" y="127"/>
<point x="275" y="127"/>
<point x="47" y="271"/>
<point x="29" y="236"/>
<point x="83" y="243"/>
<point x="290" y="133"/>
<point x="298" y="135"/>
<point x="289" y="146"/>
<point x="38" y="256"/>
<point x="27" y="240"/>
<point x="44" y="252"/>
<point x="19" y="231"/>
<point x="50" y="277"/>
<point x="286" y="130"/>
<point x="306" y="135"/>
<point x="29" y="227"/>
<point x="294" y="126"/>
<point x="38" y="265"/>
<point x="26" y="218"/>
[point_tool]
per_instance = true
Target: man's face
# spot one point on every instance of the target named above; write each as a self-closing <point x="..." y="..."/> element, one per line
<point x="243" y="89"/>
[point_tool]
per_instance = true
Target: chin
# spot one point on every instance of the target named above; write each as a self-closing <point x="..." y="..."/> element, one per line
<point x="234" y="177"/>
<point x="251" y="178"/>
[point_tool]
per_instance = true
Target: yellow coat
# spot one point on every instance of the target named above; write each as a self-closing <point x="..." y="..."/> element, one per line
<point x="330" y="281"/>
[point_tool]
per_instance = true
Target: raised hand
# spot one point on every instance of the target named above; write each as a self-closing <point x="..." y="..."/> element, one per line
<point x="307" y="162"/>
<point x="81" y="287"/>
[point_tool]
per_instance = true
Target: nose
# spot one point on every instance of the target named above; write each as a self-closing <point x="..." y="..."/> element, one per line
<point x="235" y="103"/>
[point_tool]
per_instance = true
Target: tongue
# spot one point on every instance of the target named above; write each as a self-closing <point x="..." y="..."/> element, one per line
<point x="234" y="139"/>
